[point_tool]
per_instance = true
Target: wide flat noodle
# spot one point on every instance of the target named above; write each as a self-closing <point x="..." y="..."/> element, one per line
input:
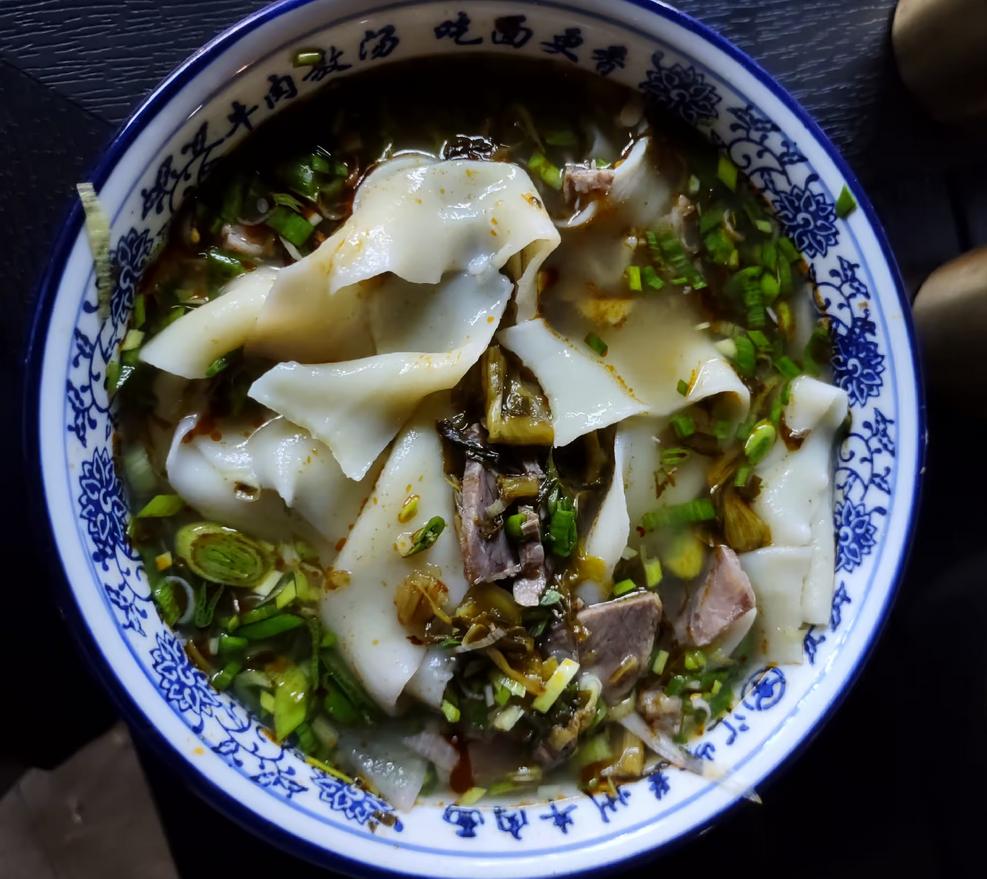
<point x="246" y="477"/>
<point x="419" y="220"/>
<point x="796" y="497"/>
<point x="362" y="613"/>
<point x="778" y="574"/>
<point x="652" y="348"/>
<point x="583" y="393"/>
<point x="189" y="345"/>
<point x="358" y="406"/>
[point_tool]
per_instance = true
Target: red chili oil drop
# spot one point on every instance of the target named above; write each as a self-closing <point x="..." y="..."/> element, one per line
<point x="461" y="777"/>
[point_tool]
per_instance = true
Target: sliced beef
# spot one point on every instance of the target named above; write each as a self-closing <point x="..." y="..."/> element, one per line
<point x="531" y="584"/>
<point x="620" y="637"/>
<point x="592" y="182"/>
<point x="487" y="555"/>
<point x="724" y="596"/>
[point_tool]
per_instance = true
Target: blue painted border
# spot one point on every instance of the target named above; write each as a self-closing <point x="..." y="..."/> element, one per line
<point x="48" y="288"/>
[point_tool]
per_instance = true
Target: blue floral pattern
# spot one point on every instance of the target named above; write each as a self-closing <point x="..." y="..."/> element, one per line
<point x="864" y="475"/>
<point x="682" y="89"/>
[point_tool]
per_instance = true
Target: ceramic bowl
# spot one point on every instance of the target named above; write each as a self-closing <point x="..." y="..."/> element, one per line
<point x="210" y="104"/>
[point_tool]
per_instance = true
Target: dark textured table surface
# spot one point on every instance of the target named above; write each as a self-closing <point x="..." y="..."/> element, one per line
<point x="895" y="780"/>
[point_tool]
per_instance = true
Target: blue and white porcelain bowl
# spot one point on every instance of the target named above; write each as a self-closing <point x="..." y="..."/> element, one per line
<point x="203" y="110"/>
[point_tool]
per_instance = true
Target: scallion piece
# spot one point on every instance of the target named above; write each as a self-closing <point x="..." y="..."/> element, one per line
<point x="271" y="627"/>
<point x="423" y="538"/>
<point x="722" y="428"/>
<point x="223" y="678"/>
<point x="671" y="252"/>
<point x="659" y="662"/>
<point x="726" y="171"/>
<point x="338" y="707"/>
<point x="763" y="226"/>
<point x="652" y="571"/>
<point x="140" y="310"/>
<point x="550" y="174"/>
<point x="232" y="645"/>
<point x="788" y="250"/>
<point x="558" y="681"/>
<point x="217" y="366"/>
<point x="596" y="343"/>
<point x="97" y="224"/>
<point x="682" y="387"/>
<point x="743" y="475"/>
<point x="846" y="204"/>
<point x="694" y="660"/>
<point x="692" y="186"/>
<point x="683" y="425"/>
<point x="222" y="555"/>
<point x="746" y="358"/>
<point x="161" y="506"/>
<point x="562" y="530"/>
<point x="223" y="265"/>
<point x="651" y="278"/>
<point x="512" y="525"/>
<point x="450" y="711"/>
<point x="787" y="367"/>
<point x="760" y="441"/>
<point x="674" y="457"/>
<point x="289" y="225"/>
<point x="761" y="341"/>
<point x="770" y="288"/>
<point x="623" y="587"/>
<point x="720" y="248"/>
<point x="290" y="701"/>
<point x="711" y="218"/>
<point x="633" y="275"/>
<point x="307" y="58"/>
<point x="163" y="593"/>
<point x="698" y="510"/>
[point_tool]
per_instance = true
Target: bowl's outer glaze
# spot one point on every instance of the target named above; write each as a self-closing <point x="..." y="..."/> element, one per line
<point x="206" y="107"/>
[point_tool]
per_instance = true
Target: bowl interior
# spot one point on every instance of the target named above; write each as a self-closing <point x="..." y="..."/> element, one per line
<point x="207" y="107"/>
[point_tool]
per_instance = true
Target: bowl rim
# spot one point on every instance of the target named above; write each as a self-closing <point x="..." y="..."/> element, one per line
<point x="31" y="430"/>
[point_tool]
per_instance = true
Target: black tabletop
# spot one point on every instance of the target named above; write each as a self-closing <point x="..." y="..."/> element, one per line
<point x="895" y="779"/>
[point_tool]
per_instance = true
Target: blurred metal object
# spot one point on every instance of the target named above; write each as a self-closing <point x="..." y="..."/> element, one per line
<point x="951" y="318"/>
<point x="941" y="50"/>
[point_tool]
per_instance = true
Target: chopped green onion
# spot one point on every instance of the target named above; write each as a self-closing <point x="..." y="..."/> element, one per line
<point x="230" y="645"/>
<point x="698" y="510"/>
<point x="472" y="796"/>
<point x="743" y="475"/>
<point x="263" y="612"/>
<point x="217" y="366"/>
<point x="694" y="660"/>
<point x="846" y="204"/>
<point x="673" y="457"/>
<point x="562" y="530"/>
<point x="769" y="255"/>
<point x="132" y="340"/>
<point x="623" y="587"/>
<point x="651" y="278"/>
<point x="424" y="537"/>
<point x="409" y="509"/>
<point x="711" y="218"/>
<point x="551" y="596"/>
<point x="98" y="235"/>
<point x="671" y="251"/>
<point x="307" y="58"/>
<point x="761" y="341"/>
<point x="451" y="712"/>
<point x="770" y="288"/>
<point x="506" y="719"/>
<point x="726" y="171"/>
<point x="652" y="572"/>
<point x="763" y="226"/>
<point x="223" y="265"/>
<point x="163" y="593"/>
<point x="721" y="249"/>
<point x="223" y="678"/>
<point x="788" y="250"/>
<point x="683" y="387"/>
<point x="676" y="685"/>
<point x="338" y="706"/>
<point x="683" y="425"/>
<point x="161" y="506"/>
<point x="745" y="359"/>
<point x="222" y="555"/>
<point x="550" y="174"/>
<point x="512" y="525"/>
<point x="786" y="321"/>
<point x="787" y="367"/>
<point x="692" y="186"/>
<point x="559" y="680"/>
<point x="140" y="310"/>
<point x="722" y="428"/>
<point x="660" y="660"/>
<point x="596" y="343"/>
<point x="267" y="701"/>
<point x="289" y="225"/>
<point x="205" y="605"/>
<point x="290" y="701"/>
<point x="633" y="275"/>
<point x="760" y="442"/>
<point x="271" y="627"/>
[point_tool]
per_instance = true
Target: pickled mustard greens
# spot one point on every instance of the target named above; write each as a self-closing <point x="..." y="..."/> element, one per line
<point x="487" y="442"/>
